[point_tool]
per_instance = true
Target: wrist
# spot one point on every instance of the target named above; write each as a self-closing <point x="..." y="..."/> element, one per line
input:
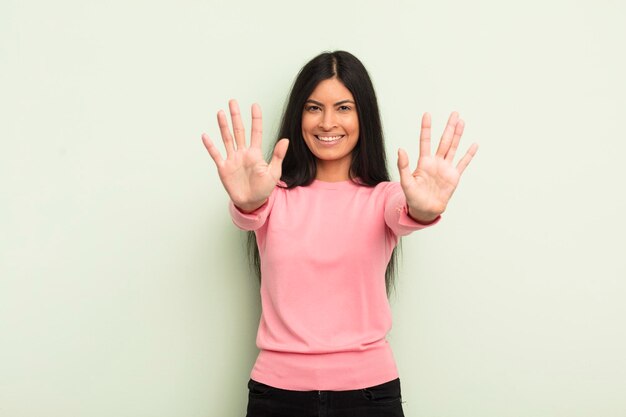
<point x="423" y="217"/>
<point x="249" y="207"/>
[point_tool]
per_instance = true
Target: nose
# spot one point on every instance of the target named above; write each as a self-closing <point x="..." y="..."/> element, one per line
<point x="327" y="121"/>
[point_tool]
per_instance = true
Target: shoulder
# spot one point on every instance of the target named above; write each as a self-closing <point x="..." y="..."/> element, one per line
<point x="388" y="187"/>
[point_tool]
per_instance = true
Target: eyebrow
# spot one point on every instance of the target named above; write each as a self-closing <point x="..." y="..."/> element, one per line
<point x="336" y="104"/>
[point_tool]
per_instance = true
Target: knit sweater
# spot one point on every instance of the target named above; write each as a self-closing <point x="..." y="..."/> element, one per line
<point x="325" y="314"/>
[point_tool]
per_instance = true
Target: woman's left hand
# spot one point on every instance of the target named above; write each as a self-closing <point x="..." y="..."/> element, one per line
<point x="429" y="188"/>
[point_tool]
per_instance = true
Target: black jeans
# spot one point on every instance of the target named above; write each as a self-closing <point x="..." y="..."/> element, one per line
<point x="382" y="400"/>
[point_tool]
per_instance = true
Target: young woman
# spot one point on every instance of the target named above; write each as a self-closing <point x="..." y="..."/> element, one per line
<point x="326" y="220"/>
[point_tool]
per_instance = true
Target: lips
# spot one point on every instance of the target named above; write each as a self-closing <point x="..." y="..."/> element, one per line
<point x="329" y="138"/>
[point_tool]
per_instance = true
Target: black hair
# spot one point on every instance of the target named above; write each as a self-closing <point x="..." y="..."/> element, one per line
<point x="369" y="161"/>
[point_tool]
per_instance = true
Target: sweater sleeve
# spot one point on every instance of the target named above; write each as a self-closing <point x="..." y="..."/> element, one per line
<point x="397" y="212"/>
<point x="255" y="219"/>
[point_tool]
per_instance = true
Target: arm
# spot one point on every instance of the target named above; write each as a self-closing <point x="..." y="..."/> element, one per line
<point x="397" y="216"/>
<point x="255" y="219"/>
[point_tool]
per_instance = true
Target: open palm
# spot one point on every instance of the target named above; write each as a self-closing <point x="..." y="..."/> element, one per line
<point x="430" y="186"/>
<point x="246" y="176"/>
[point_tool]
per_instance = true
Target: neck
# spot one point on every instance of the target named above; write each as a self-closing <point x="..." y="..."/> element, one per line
<point x="333" y="171"/>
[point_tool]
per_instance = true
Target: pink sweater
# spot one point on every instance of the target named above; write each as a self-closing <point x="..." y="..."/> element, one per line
<point x="325" y="314"/>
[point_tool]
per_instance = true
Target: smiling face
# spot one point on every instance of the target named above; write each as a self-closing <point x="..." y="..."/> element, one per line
<point x="330" y="127"/>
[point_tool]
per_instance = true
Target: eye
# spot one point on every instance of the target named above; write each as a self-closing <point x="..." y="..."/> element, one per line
<point x="312" y="108"/>
<point x="345" y="108"/>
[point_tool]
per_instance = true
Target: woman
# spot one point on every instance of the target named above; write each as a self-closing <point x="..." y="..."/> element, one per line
<point x="326" y="221"/>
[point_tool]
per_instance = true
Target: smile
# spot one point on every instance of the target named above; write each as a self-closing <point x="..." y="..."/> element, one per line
<point x="329" y="138"/>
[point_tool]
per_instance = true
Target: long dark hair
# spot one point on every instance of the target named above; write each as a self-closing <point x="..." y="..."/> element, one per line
<point x="369" y="162"/>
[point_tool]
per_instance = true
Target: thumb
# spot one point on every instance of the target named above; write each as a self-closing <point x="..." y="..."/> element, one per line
<point x="403" y="167"/>
<point x="280" y="150"/>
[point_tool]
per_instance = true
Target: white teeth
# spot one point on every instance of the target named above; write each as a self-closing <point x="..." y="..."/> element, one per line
<point x="328" y="138"/>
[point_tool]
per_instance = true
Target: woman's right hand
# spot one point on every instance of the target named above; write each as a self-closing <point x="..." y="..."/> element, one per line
<point x="247" y="178"/>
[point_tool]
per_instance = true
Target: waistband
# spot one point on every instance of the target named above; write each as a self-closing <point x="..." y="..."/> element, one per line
<point x="336" y="371"/>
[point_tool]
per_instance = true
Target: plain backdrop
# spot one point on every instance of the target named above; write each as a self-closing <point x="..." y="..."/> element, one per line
<point x="124" y="287"/>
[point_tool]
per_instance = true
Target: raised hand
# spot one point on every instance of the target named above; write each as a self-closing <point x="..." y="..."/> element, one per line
<point x="246" y="176"/>
<point x="429" y="188"/>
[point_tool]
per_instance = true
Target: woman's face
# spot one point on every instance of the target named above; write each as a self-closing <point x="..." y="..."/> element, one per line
<point x="330" y="125"/>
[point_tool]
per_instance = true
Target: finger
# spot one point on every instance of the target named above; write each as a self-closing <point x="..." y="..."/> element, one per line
<point x="257" y="127"/>
<point x="213" y="151"/>
<point x="238" y="129"/>
<point x="425" y="136"/>
<point x="458" y="132"/>
<point x="448" y="134"/>
<point x="227" y="138"/>
<point x="280" y="150"/>
<point x="467" y="158"/>
<point x="403" y="167"/>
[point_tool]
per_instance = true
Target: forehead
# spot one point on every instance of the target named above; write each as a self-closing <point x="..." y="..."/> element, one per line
<point x="331" y="90"/>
